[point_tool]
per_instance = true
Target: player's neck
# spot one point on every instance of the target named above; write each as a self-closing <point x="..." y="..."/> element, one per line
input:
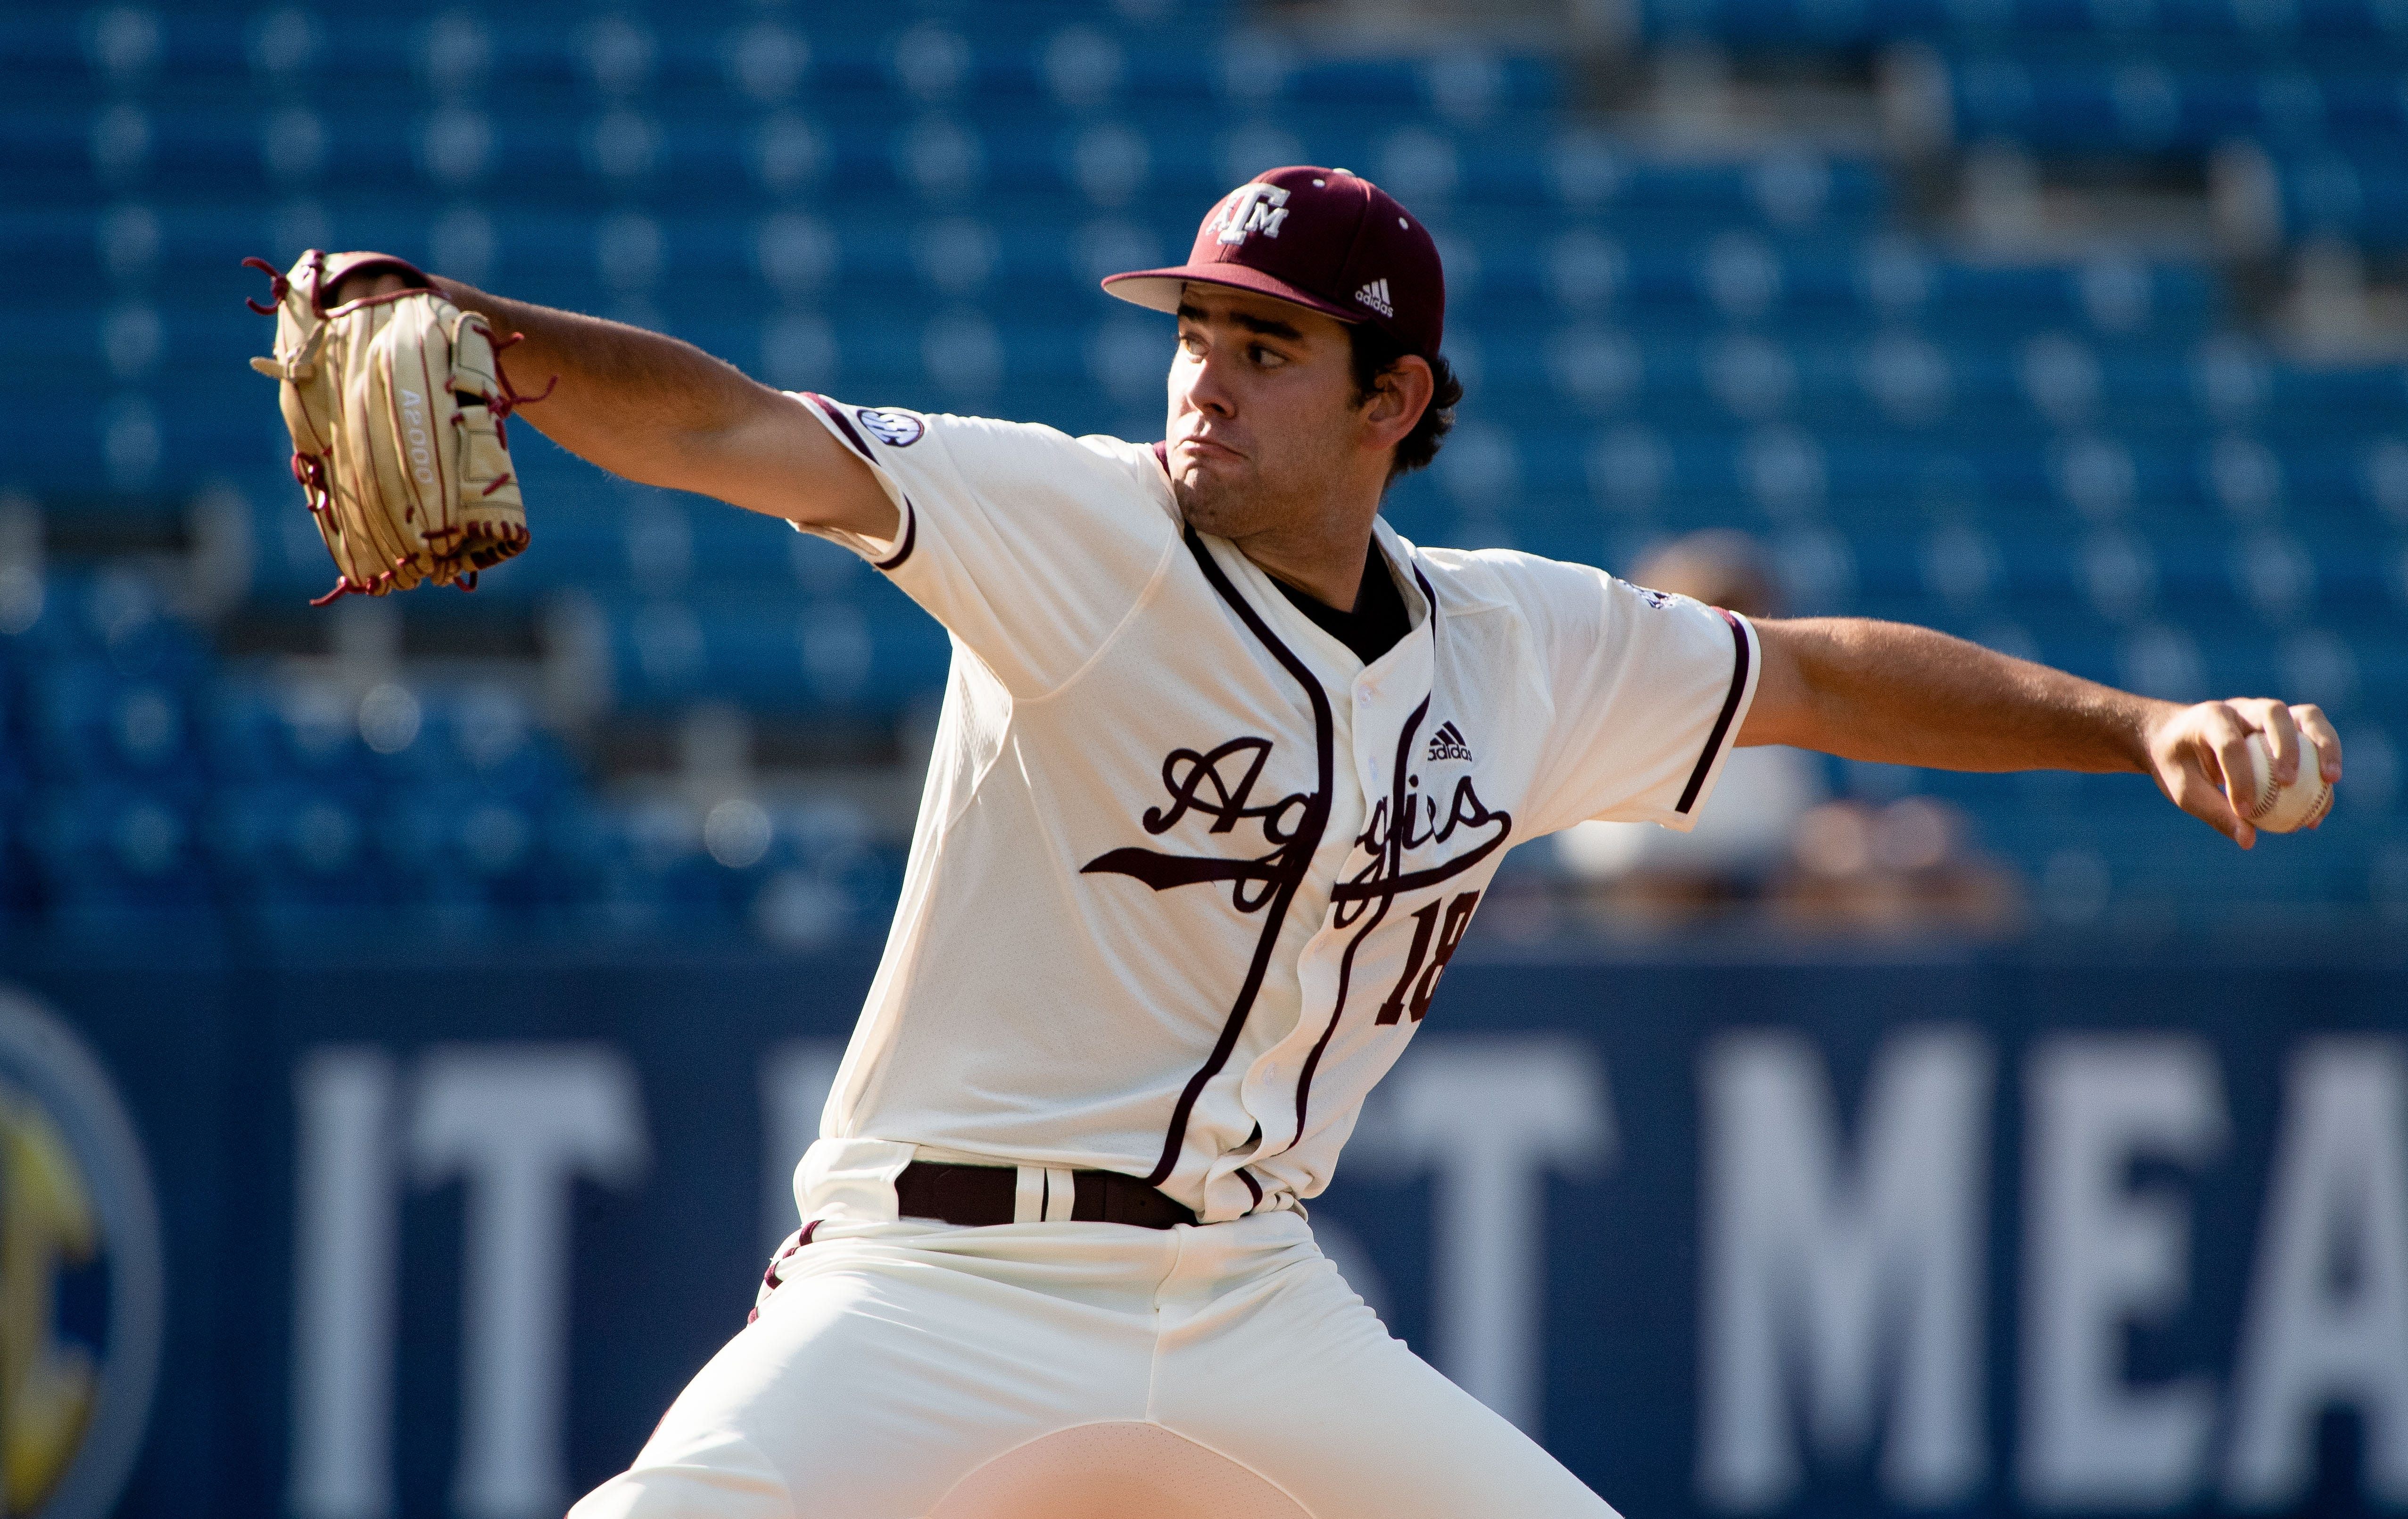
<point x="1316" y="540"/>
<point x="1326" y="565"/>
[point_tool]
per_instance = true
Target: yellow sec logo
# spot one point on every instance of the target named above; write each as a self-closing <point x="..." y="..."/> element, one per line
<point x="81" y="1289"/>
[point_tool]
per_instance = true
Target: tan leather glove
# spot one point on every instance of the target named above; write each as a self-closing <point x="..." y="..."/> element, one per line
<point x="395" y="403"/>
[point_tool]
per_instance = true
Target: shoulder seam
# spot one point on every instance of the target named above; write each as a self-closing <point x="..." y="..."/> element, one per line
<point x="1144" y="598"/>
<point x="1002" y="743"/>
<point x="1467" y="600"/>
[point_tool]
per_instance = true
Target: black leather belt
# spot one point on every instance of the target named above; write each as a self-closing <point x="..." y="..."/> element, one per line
<point x="975" y="1197"/>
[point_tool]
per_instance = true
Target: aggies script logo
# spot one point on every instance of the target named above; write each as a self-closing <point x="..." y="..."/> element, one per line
<point x="1220" y="784"/>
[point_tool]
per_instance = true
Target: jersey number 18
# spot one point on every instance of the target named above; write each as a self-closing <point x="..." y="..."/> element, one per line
<point x="1418" y="983"/>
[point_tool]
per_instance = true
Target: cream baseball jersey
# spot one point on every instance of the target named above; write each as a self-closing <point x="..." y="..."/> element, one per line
<point x="1187" y="873"/>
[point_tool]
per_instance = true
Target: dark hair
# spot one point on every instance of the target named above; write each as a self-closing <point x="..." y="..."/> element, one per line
<point x="1375" y="353"/>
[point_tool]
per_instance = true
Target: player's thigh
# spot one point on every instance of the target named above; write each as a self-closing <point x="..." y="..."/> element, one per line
<point x="869" y="1386"/>
<point x="1304" y="1384"/>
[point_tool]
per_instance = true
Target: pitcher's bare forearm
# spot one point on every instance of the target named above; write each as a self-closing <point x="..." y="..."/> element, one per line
<point x="637" y="403"/>
<point x="660" y="410"/>
<point x="1902" y="695"/>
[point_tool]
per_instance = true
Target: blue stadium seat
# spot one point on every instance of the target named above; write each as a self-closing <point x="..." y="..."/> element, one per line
<point x="108" y="851"/>
<point x="466" y="850"/>
<point x="89" y="722"/>
<point x="874" y="653"/>
<point x="2356" y="191"/>
<point x="1820" y="23"/>
<point x="290" y="847"/>
<point x="2056" y="101"/>
<point x="263" y="734"/>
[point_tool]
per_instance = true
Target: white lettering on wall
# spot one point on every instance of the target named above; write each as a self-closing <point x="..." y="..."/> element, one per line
<point x="1494" y="1116"/>
<point x="346" y="1205"/>
<point x="2099" y="1257"/>
<point x="2328" y="1316"/>
<point x="1822" y="1283"/>
<point x="522" y="1124"/>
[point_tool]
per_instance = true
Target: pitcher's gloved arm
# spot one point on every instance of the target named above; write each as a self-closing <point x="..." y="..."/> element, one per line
<point x="1901" y="694"/>
<point x="661" y="411"/>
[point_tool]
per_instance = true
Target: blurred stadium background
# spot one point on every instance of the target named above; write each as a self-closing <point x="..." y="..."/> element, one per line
<point x="2073" y="328"/>
<point x="2078" y="328"/>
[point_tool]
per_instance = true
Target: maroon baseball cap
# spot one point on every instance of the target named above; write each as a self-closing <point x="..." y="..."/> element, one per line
<point x="1328" y="240"/>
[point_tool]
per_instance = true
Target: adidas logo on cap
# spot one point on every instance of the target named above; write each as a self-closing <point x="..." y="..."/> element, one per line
<point x="1375" y="295"/>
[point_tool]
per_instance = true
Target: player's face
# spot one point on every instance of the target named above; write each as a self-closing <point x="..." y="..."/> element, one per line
<point x="1264" y="417"/>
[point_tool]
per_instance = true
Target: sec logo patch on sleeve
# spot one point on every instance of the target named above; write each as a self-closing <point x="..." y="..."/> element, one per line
<point x="895" y="429"/>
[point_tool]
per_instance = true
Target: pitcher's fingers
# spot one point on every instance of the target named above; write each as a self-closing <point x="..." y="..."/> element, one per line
<point x="2319" y="730"/>
<point x="2281" y="740"/>
<point x="2224" y="738"/>
<point x="2196" y="793"/>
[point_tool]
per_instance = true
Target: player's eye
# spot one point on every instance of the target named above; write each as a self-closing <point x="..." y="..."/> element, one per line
<point x="1268" y="358"/>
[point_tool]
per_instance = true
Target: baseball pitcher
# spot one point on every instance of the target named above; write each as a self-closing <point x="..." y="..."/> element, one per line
<point x="1223" y="768"/>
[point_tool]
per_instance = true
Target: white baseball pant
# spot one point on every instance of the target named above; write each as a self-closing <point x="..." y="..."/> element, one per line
<point x="1068" y="1370"/>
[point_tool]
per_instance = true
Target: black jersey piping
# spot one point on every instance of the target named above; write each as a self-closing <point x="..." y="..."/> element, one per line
<point x="835" y="413"/>
<point x="910" y="519"/>
<point x="1301" y="851"/>
<point x="1722" y="723"/>
<point x="1391" y="863"/>
<point x="910" y="538"/>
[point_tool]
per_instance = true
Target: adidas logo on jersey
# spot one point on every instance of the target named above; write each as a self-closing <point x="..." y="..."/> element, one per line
<point x="1375" y="295"/>
<point x="1447" y="744"/>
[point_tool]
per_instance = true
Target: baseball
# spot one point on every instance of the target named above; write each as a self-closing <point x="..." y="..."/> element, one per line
<point x="2302" y="804"/>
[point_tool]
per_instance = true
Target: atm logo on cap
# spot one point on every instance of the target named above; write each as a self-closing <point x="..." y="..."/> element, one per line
<point x="1255" y="207"/>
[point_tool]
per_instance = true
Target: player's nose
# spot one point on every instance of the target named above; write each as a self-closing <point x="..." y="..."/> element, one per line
<point x="1203" y="384"/>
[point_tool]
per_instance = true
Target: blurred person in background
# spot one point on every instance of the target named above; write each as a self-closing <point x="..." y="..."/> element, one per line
<point x="1638" y="871"/>
<point x="1907" y="865"/>
<point x="1773" y="835"/>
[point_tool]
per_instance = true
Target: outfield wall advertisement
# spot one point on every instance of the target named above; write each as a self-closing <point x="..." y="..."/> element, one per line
<point x="2085" y="1233"/>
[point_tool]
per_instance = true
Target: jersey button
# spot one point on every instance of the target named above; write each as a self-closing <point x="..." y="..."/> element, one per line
<point x="1363" y="697"/>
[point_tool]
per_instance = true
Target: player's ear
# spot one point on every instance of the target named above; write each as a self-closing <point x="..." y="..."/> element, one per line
<point x="1400" y="394"/>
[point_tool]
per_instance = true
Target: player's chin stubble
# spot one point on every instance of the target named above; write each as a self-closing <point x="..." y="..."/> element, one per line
<point x="1209" y="505"/>
<point x="1225" y="509"/>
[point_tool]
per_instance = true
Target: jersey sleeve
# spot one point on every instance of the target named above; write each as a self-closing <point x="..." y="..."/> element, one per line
<point x="1649" y="692"/>
<point x="1030" y="546"/>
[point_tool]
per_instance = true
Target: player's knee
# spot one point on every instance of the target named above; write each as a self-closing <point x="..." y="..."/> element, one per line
<point x="730" y="1481"/>
<point x="1116" y="1466"/>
